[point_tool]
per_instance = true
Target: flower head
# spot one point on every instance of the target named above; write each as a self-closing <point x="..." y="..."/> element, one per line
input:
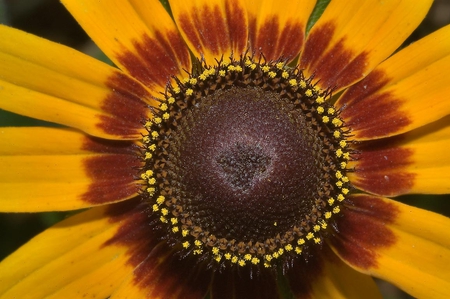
<point x="233" y="152"/>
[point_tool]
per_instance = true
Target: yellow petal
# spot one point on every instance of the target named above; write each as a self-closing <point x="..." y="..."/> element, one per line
<point x="48" y="169"/>
<point x="404" y="245"/>
<point x="163" y="275"/>
<point x="138" y="36"/>
<point x="407" y="91"/>
<point x="319" y="273"/>
<point x="415" y="162"/>
<point x="352" y="37"/>
<point x="212" y="29"/>
<point x="341" y="281"/>
<point x="48" y="81"/>
<point x="278" y="31"/>
<point x="69" y="260"/>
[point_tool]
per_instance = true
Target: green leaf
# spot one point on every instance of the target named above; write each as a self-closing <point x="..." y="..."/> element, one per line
<point x="317" y="12"/>
<point x="166" y="5"/>
<point x="11" y="119"/>
<point x="3" y="13"/>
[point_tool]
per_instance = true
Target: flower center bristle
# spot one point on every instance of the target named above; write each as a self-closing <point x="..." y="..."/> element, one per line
<point x="245" y="164"/>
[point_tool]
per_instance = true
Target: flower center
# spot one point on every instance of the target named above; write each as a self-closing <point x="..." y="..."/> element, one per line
<point x="242" y="166"/>
<point x="249" y="164"/>
<point x="245" y="164"/>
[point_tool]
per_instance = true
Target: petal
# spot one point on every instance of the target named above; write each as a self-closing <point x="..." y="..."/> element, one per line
<point x="163" y="275"/>
<point x="278" y="31"/>
<point x="415" y="162"/>
<point x="48" y="81"/>
<point x="68" y="260"/>
<point x="138" y="36"/>
<point x="407" y="91"/>
<point x="352" y="37"/>
<point x="404" y="245"/>
<point x="48" y="169"/>
<point x="158" y="273"/>
<point x="319" y="273"/>
<point x="230" y="284"/>
<point x="341" y="281"/>
<point x="212" y="29"/>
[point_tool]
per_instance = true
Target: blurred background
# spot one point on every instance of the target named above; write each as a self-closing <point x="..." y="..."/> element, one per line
<point x="49" y="19"/>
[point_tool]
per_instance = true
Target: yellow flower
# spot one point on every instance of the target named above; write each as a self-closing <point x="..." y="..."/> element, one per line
<point x="266" y="163"/>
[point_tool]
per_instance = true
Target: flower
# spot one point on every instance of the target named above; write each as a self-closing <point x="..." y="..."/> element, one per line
<point x="230" y="153"/>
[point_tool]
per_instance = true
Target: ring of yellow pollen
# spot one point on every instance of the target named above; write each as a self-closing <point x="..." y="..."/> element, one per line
<point x="245" y="163"/>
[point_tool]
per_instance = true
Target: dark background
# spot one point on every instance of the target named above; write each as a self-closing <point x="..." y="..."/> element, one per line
<point x="49" y="19"/>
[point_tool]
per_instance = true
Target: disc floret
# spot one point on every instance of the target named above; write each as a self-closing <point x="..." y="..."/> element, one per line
<point x="186" y="226"/>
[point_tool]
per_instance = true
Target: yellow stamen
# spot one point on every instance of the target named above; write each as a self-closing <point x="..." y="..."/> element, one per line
<point x="151" y="191"/>
<point x="160" y="200"/>
<point x="163" y="107"/>
<point x="320" y="110"/>
<point x="336" y="122"/>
